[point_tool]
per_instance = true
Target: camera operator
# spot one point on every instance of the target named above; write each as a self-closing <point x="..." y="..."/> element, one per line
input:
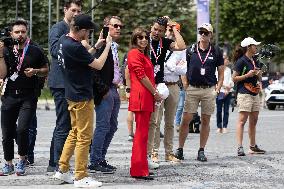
<point x="247" y="75"/>
<point x="20" y="66"/>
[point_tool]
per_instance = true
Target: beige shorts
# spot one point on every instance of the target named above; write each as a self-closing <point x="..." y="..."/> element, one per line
<point x="248" y="103"/>
<point x="194" y="96"/>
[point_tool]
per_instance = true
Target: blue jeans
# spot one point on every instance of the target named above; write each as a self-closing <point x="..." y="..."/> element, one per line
<point x="63" y="125"/>
<point x="106" y="125"/>
<point x="223" y="105"/>
<point x="180" y="107"/>
<point x="32" y="138"/>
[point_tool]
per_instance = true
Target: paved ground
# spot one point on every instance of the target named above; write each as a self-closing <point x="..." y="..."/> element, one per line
<point x="223" y="169"/>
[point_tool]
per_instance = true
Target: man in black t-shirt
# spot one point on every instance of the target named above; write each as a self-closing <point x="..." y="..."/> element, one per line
<point x="77" y="63"/>
<point x="56" y="85"/>
<point x="20" y="66"/>
<point x="159" y="45"/>
<point x="201" y="86"/>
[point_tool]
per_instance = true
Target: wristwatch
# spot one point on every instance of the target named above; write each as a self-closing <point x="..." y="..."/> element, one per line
<point x="127" y="90"/>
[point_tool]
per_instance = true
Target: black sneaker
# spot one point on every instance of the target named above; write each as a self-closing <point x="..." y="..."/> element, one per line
<point x="256" y="150"/>
<point x="179" y="154"/>
<point x="105" y="164"/>
<point x="29" y="162"/>
<point x="201" y="156"/>
<point x="241" y="151"/>
<point x="97" y="168"/>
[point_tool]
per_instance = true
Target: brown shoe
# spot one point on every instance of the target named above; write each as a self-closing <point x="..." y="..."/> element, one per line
<point x="171" y="158"/>
<point x="155" y="157"/>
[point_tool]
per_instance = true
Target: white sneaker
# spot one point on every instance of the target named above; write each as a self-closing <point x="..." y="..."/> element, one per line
<point x="66" y="177"/>
<point x="152" y="165"/>
<point x="87" y="182"/>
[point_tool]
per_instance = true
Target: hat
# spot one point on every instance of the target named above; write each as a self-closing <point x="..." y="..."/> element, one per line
<point x="84" y="21"/>
<point x="249" y="41"/>
<point x="206" y="26"/>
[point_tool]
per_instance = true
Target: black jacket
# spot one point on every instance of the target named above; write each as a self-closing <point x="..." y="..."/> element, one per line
<point x="103" y="78"/>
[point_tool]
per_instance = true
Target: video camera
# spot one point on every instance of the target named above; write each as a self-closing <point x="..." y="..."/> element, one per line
<point x="267" y="52"/>
<point x="5" y="36"/>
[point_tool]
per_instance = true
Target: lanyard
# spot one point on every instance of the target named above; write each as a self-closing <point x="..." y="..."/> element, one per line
<point x="203" y="61"/>
<point x="253" y="63"/>
<point x="21" y="59"/>
<point x="158" y="53"/>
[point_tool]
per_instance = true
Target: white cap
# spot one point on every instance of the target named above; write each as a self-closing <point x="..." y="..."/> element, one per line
<point x="206" y="26"/>
<point x="249" y="41"/>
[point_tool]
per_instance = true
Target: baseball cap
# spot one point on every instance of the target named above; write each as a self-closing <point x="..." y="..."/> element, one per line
<point x="249" y="41"/>
<point x="206" y="26"/>
<point x="84" y="21"/>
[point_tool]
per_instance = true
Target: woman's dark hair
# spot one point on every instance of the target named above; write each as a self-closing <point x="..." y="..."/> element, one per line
<point x="238" y="52"/>
<point x="138" y="32"/>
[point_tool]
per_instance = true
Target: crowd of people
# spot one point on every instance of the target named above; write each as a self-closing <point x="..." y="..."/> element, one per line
<point x="84" y="81"/>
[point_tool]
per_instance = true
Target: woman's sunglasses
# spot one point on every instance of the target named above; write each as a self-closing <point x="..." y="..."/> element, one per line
<point x="140" y="37"/>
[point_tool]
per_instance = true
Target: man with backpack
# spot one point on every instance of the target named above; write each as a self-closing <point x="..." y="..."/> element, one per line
<point x="201" y="86"/>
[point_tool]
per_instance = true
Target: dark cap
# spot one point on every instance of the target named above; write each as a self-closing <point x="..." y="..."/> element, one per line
<point x="84" y="21"/>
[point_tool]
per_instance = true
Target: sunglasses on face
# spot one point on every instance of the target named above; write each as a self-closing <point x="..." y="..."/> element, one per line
<point x="140" y="37"/>
<point x="206" y="33"/>
<point x="117" y="25"/>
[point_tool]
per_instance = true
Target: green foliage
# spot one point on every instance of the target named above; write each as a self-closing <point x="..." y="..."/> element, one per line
<point x="133" y="13"/>
<point x="263" y="20"/>
<point x="136" y="13"/>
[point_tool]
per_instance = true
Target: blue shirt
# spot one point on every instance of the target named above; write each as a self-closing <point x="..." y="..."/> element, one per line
<point x="243" y="66"/>
<point x="55" y="76"/>
<point x="194" y="65"/>
<point x="74" y="60"/>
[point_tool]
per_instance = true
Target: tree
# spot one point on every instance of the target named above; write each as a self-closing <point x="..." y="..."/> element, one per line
<point x="136" y="13"/>
<point x="263" y="20"/>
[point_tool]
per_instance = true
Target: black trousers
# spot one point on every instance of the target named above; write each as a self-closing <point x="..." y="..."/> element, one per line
<point x="21" y="108"/>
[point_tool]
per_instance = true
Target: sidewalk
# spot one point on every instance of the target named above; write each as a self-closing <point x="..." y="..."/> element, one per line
<point x="224" y="168"/>
<point x="49" y="104"/>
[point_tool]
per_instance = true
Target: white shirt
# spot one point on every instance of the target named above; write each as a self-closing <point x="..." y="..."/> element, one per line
<point x="228" y="82"/>
<point x="175" y="66"/>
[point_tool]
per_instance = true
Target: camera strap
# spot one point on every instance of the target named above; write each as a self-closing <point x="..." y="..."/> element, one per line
<point x="21" y="59"/>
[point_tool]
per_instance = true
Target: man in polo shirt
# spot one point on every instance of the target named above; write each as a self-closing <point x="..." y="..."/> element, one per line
<point x="201" y="86"/>
<point x="77" y="63"/>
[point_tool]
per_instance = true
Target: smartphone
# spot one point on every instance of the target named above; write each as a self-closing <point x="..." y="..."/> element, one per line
<point x="105" y="32"/>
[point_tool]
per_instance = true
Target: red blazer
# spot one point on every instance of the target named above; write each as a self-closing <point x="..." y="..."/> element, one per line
<point x="140" y="65"/>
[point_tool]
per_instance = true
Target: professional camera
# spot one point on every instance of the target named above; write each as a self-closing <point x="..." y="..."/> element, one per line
<point x="6" y="38"/>
<point x="265" y="53"/>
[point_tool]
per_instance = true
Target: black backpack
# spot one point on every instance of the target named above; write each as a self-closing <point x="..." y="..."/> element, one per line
<point x="194" y="125"/>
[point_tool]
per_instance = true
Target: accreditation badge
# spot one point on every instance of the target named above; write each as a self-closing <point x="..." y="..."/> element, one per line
<point x="202" y="71"/>
<point x="14" y="76"/>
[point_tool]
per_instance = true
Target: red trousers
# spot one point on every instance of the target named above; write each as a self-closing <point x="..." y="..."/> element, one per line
<point x="139" y="163"/>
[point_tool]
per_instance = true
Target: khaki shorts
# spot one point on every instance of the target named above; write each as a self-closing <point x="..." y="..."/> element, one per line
<point x="194" y="96"/>
<point x="248" y="103"/>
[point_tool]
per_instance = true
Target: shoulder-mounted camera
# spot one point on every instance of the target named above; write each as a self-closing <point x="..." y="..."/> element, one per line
<point x="5" y="36"/>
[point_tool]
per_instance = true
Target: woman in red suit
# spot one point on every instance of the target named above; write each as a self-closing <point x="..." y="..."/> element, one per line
<point x="143" y="94"/>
